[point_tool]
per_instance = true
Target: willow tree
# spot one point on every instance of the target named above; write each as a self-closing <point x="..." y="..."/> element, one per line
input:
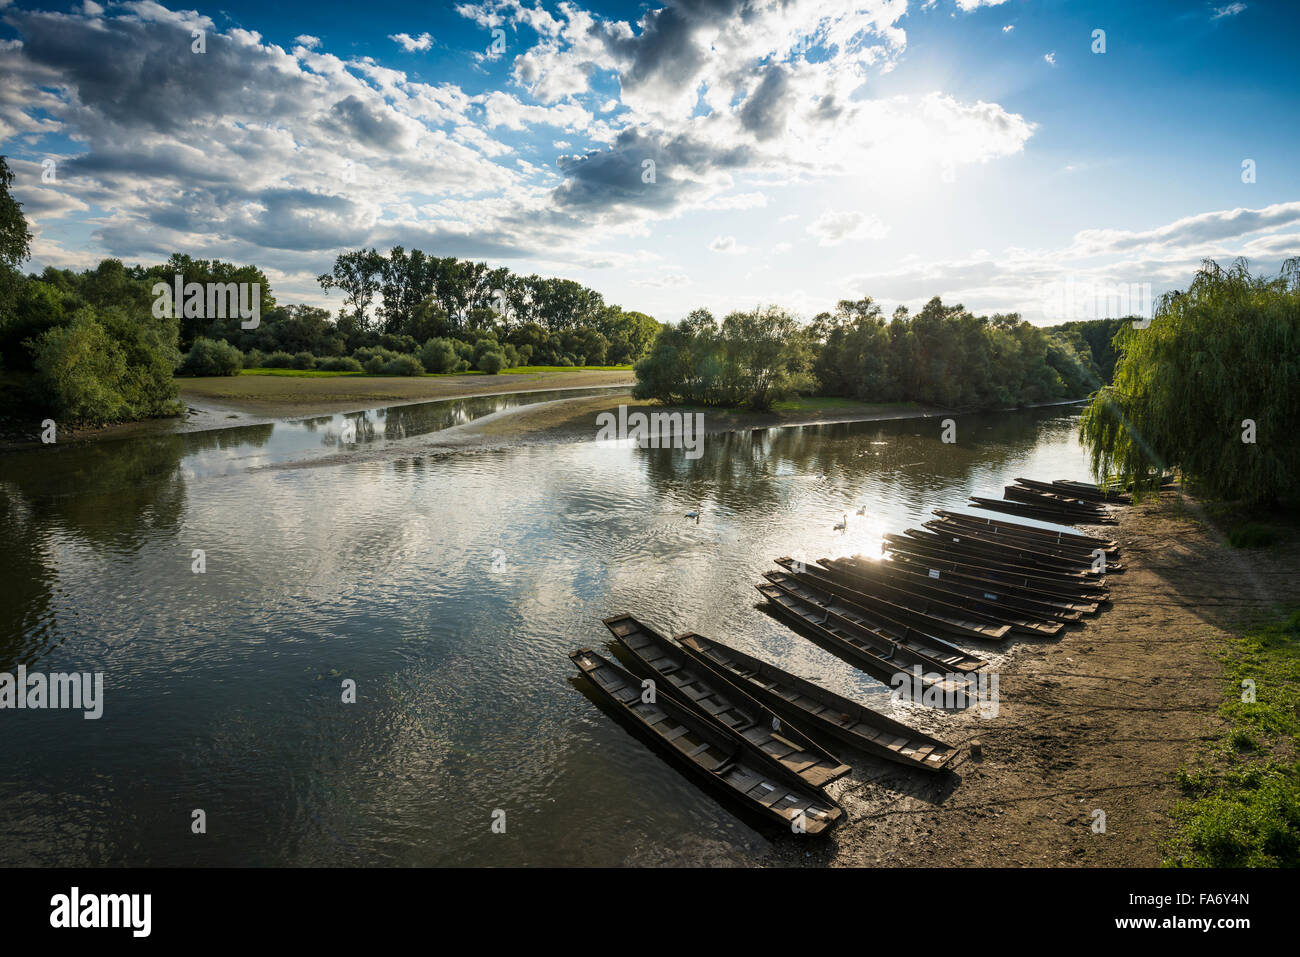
<point x="1211" y="387"/>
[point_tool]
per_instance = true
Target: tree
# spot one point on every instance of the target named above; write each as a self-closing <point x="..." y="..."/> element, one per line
<point x="357" y="274"/>
<point x="1209" y="387"/>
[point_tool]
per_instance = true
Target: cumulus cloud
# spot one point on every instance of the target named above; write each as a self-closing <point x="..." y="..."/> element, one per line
<point x="412" y="44"/>
<point x="1050" y="58"/>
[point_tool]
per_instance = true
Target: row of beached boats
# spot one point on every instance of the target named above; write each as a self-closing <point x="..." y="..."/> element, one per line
<point x="1062" y="501"/>
<point x="773" y="740"/>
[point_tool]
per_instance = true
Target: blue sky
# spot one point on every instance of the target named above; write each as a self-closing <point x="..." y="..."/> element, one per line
<point x="804" y="150"/>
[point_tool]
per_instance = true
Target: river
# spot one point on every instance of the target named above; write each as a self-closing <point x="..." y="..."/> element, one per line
<point x="450" y="588"/>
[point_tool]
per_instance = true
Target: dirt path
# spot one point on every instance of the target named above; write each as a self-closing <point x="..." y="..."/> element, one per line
<point x="1099" y="719"/>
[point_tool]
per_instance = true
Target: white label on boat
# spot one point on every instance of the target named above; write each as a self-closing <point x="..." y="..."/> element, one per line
<point x="933" y="573"/>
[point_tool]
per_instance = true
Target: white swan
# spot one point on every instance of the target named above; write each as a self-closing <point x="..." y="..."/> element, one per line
<point x="842" y="524"/>
<point x="695" y="514"/>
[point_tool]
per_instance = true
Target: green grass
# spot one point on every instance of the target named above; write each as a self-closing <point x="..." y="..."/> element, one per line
<point x="525" y="369"/>
<point x="1253" y="535"/>
<point x="318" y="373"/>
<point x="1242" y="805"/>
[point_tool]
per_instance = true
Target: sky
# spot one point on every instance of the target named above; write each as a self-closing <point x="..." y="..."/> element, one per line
<point x="671" y="155"/>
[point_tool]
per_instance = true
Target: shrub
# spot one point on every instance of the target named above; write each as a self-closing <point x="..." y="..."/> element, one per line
<point x="304" y="360"/>
<point x="254" y="359"/>
<point x="439" y="355"/>
<point x="492" y="362"/>
<point x="81" y="371"/>
<point x="340" y="364"/>
<point x="278" y="360"/>
<point x="374" y="365"/>
<point x="483" y="346"/>
<point x="212" y="357"/>
<point x="403" y="365"/>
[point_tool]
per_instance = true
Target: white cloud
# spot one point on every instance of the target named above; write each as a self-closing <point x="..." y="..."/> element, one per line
<point x="834" y="227"/>
<point x="1050" y="58"/>
<point x="1008" y="28"/>
<point x="726" y="244"/>
<point x="412" y="44"/>
<point x="307" y="40"/>
<point x="969" y="5"/>
<point x="1231" y="10"/>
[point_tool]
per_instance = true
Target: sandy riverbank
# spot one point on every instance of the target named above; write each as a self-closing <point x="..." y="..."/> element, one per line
<point x="1100" y="719"/>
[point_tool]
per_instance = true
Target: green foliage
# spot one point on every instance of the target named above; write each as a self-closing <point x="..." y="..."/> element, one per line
<point x="1224" y="351"/>
<point x="413" y="297"/>
<point x="278" y="360"/>
<point x="15" y="237"/>
<point x="439" y="355"/>
<point x="403" y="365"/>
<point x="1253" y="535"/>
<point x="1244" y="809"/>
<point x="254" y="359"/>
<point x="90" y="370"/>
<point x="943" y="356"/>
<point x="209" y="357"/>
<point x="339" y="364"/>
<point x="304" y="360"/>
<point x="492" y="362"/>
<point x="753" y="359"/>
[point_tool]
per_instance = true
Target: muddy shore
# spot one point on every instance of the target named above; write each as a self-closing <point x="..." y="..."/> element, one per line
<point x="1100" y="719"/>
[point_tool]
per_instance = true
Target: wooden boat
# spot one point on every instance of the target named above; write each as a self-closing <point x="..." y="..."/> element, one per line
<point x="882" y="616"/>
<point x="1073" y="538"/>
<point x="996" y="534"/>
<point x="820" y="710"/>
<point x="917" y="588"/>
<point x="955" y="585"/>
<point x="1041" y="512"/>
<point x="922" y="601"/>
<point x="1010" y="582"/>
<point x="918" y="551"/>
<point x="839" y="637"/>
<point x="1039" y="565"/>
<point x="711" y="752"/>
<point x="807" y="587"/>
<point x="1019" y="550"/>
<point x="658" y="658"/>
<point x="1077" y="490"/>
<point x="1084" y="511"/>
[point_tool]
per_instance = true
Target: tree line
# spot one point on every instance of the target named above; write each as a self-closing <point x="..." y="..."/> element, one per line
<point x="943" y="355"/>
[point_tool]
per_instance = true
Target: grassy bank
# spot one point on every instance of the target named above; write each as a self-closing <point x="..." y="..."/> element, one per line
<point x="281" y="393"/>
<point x="1242" y="802"/>
<point x="520" y="370"/>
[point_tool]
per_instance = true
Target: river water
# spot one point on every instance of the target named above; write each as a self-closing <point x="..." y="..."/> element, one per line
<point x="450" y="588"/>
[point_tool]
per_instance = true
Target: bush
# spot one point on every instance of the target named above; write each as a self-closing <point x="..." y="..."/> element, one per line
<point x="403" y="365"/>
<point x="254" y="359"/>
<point x="439" y="355"/>
<point x="482" y="346"/>
<point x="374" y="365"/>
<point x="492" y="362"/>
<point x="304" y="360"/>
<point x="81" y="371"/>
<point x="212" y="357"/>
<point x="339" y="364"/>
<point x="278" y="360"/>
